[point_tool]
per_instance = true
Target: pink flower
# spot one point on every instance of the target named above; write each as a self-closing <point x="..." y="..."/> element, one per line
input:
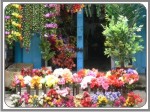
<point x="61" y="81"/>
<point x="103" y="81"/>
<point x="63" y="92"/>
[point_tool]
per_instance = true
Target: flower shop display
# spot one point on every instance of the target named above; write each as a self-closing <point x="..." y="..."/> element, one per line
<point x="95" y="88"/>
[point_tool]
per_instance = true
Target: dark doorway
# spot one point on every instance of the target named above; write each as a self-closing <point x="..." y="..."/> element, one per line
<point x="94" y="44"/>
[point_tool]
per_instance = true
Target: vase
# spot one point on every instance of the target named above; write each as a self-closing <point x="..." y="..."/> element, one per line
<point x="36" y="90"/>
<point x="18" y="88"/>
<point x="44" y="88"/>
<point x="28" y="89"/>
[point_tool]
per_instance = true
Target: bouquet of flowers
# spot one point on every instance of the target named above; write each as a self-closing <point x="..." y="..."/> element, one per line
<point x="16" y="100"/>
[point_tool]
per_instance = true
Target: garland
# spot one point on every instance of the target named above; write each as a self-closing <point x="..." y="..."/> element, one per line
<point x="13" y="21"/>
<point x="27" y="25"/>
<point x="36" y="17"/>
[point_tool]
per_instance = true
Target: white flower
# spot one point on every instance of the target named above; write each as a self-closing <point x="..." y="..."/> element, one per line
<point x="108" y="73"/>
<point x="10" y="98"/>
<point x="85" y="81"/>
<point x="43" y="80"/>
<point x="58" y="72"/>
<point x="27" y="80"/>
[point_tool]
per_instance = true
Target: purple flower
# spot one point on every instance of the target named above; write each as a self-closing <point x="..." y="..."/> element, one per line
<point x="112" y="95"/>
<point x="130" y="70"/>
<point x="91" y="73"/>
<point x="48" y="15"/>
<point x="7" y="17"/>
<point x="7" y="33"/>
<point x="51" y="25"/>
<point x="52" y="5"/>
<point x="94" y="98"/>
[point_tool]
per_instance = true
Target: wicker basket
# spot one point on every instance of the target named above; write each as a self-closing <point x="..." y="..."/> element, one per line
<point x="14" y="69"/>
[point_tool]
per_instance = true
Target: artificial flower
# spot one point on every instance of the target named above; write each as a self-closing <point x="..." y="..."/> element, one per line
<point x="35" y="82"/>
<point x="51" y="80"/>
<point x="27" y="80"/>
<point x="102" y="100"/>
<point x="86" y="80"/>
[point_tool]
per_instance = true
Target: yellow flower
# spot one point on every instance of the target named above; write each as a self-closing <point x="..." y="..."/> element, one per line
<point x="35" y="81"/>
<point x="17" y="6"/>
<point x="9" y="36"/>
<point x="30" y="101"/>
<point x="51" y="80"/>
<point x="35" y="96"/>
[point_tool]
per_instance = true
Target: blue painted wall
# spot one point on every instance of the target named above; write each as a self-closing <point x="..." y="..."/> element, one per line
<point x="34" y="54"/>
<point x="140" y="63"/>
<point x="18" y="53"/>
<point x="80" y="45"/>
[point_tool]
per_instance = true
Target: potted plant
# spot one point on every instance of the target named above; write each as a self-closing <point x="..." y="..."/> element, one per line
<point x="122" y="41"/>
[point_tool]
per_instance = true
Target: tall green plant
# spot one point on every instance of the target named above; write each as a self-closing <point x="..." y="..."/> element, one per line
<point x="122" y="41"/>
<point x="46" y="51"/>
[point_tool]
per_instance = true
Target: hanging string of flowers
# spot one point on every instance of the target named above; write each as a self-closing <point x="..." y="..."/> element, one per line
<point x="14" y="20"/>
<point x="8" y="38"/>
<point x="49" y="31"/>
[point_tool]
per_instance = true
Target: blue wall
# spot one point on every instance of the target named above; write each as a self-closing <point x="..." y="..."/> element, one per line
<point x="34" y="54"/>
<point x="140" y="63"/>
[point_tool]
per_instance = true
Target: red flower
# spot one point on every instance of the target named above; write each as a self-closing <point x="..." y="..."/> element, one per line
<point x="94" y="83"/>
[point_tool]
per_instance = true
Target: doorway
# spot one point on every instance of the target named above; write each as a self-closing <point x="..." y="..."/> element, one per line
<point x="94" y="44"/>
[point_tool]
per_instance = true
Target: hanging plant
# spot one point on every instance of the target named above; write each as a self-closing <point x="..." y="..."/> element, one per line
<point x="36" y="17"/>
<point x="49" y="30"/>
<point x="27" y="25"/>
<point x="13" y="23"/>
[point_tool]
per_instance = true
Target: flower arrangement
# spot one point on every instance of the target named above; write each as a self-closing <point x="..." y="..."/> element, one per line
<point x="35" y="82"/>
<point x="51" y="81"/>
<point x="102" y="100"/>
<point x="132" y="99"/>
<point x="62" y="98"/>
<point x="86" y="100"/>
<point x="15" y="98"/>
<point x="18" y="80"/>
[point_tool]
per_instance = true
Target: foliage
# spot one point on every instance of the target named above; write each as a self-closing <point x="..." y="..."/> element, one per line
<point x="122" y="42"/>
<point x="65" y="56"/>
<point x="132" y="11"/>
<point x="45" y="46"/>
<point x="27" y="25"/>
